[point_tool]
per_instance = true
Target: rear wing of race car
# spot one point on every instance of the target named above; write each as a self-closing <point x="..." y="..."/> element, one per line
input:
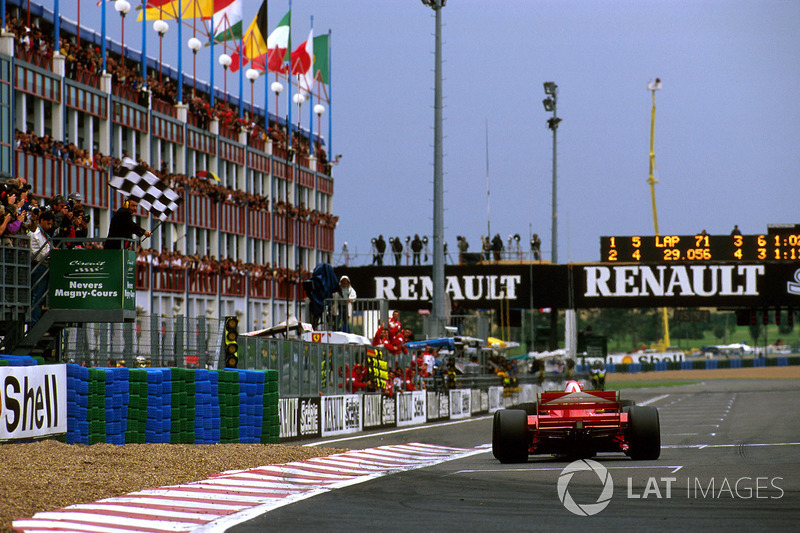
<point x="574" y="401"/>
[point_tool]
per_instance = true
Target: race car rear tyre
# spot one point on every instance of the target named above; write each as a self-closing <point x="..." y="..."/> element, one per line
<point x="644" y="432"/>
<point x="510" y="436"/>
<point x="530" y="408"/>
<point x="626" y="403"/>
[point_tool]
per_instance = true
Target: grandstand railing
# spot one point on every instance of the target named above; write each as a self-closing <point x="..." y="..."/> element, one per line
<point x="15" y="278"/>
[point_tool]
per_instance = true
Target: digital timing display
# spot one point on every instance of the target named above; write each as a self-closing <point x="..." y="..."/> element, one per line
<point x="779" y="244"/>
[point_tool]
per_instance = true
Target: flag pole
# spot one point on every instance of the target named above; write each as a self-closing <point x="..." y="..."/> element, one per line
<point x="330" y="101"/>
<point x="57" y="32"/>
<point x="152" y="230"/>
<point x="211" y="67"/>
<point x="144" y="43"/>
<point x="241" y="79"/>
<point x="289" y="83"/>
<point x="311" y="98"/>
<point x="103" y="38"/>
<point x="180" y="52"/>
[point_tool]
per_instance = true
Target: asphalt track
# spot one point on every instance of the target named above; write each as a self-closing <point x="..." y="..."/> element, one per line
<point x="730" y="460"/>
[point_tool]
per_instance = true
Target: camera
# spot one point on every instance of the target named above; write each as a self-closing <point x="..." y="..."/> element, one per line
<point x="86" y="218"/>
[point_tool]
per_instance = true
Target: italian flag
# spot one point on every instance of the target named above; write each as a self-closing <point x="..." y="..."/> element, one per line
<point x="227" y="21"/>
<point x="303" y="63"/>
<point x="277" y="44"/>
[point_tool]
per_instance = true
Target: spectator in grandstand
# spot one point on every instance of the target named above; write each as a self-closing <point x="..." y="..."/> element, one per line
<point x="124" y="227"/>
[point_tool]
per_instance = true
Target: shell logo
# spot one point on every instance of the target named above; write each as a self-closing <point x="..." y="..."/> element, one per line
<point x="627" y="360"/>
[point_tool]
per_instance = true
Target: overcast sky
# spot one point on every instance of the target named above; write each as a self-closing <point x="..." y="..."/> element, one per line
<point x="727" y="124"/>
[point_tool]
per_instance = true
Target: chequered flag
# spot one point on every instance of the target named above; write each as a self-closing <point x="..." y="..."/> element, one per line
<point x="136" y="182"/>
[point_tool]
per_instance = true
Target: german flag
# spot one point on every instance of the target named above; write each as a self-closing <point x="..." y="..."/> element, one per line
<point x="255" y="39"/>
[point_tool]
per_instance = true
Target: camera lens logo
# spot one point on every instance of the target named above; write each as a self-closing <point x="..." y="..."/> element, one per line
<point x="586" y="509"/>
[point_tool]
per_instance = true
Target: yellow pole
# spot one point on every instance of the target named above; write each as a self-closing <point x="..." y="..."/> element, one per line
<point x="652" y="181"/>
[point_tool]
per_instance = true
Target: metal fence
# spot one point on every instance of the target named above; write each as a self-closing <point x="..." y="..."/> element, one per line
<point x="305" y="368"/>
<point x="149" y="341"/>
<point x="15" y="277"/>
<point x="361" y="316"/>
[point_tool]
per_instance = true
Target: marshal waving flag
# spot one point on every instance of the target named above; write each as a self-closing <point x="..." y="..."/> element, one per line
<point x="227" y="22"/>
<point x="303" y="64"/>
<point x="254" y="42"/>
<point x="134" y="181"/>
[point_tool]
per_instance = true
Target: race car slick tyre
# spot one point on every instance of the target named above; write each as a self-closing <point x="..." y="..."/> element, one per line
<point x="510" y="436"/>
<point x="530" y="408"/>
<point x="626" y="403"/>
<point x="644" y="432"/>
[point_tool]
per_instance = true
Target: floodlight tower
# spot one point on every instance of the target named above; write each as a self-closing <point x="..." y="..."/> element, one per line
<point x="438" y="310"/>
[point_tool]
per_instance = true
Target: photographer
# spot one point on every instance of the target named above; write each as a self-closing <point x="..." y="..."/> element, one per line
<point x="80" y="226"/>
<point x="41" y="223"/>
<point x="397" y="250"/>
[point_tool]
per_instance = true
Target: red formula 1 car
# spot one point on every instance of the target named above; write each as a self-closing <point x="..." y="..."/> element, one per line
<point x="576" y="424"/>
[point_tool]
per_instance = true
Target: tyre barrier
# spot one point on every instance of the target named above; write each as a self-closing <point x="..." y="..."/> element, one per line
<point x="163" y="405"/>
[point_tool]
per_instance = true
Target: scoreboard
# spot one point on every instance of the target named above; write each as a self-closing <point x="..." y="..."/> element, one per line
<point x="780" y="243"/>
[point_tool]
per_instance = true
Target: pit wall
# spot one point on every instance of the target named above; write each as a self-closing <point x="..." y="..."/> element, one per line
<point x="326" y="416"/>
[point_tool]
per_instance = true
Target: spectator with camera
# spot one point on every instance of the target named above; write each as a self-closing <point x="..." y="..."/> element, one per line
<point x="41" y="223"/>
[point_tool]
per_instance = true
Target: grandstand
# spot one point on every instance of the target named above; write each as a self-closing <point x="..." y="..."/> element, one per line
<point x="257" y="213"/>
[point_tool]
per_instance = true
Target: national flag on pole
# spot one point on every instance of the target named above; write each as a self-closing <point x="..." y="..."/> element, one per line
<point x="227" y="23"/>
<point x="303" y="63"/>
<point x="277" y="44"/>
<point x="168" y="9"/>
<point x="321" y="72"/>
<point x="135" y="181"/>
<point x="254" y="41"/>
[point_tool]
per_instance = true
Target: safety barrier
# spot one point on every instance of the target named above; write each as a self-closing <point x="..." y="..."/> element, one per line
<point x="697" y="364"/>
<point x="171" y="405"/>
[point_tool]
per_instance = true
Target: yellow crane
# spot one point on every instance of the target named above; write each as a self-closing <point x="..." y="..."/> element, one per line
<point x="653" y="87"/>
